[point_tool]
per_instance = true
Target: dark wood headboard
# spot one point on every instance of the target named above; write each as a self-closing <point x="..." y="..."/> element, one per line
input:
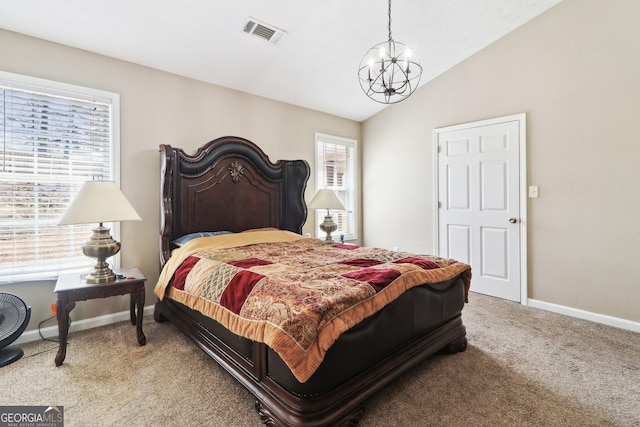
<point x="229" y="184"/>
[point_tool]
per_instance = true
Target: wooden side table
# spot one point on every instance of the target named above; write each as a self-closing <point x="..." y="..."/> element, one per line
<point x="71" y="288"/>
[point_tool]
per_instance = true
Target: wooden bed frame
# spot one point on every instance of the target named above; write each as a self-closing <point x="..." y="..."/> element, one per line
<point x="230" y="185"/>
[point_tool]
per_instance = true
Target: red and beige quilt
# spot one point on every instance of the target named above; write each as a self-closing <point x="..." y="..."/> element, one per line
<point x="294" y="293"/>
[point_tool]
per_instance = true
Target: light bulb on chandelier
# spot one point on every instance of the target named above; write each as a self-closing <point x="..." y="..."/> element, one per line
<point x="389" y="72"/>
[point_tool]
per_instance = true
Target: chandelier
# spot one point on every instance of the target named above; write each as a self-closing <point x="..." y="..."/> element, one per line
<point x="389" y="72"/>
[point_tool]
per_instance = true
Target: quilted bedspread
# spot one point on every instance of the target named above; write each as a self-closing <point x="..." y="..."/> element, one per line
<point x="294" y="293"/>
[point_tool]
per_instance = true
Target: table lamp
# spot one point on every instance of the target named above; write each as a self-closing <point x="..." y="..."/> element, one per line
<point x="327" y="199"/>
<point x="99" y="201"/>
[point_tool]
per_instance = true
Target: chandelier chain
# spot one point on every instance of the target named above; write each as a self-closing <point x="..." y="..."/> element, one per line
<point x="390" y="38"/>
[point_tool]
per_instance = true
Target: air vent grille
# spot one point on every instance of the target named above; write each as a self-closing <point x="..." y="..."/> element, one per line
<point x="263" y="30"/>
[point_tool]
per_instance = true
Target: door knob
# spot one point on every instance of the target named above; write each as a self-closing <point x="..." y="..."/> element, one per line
<point x="513" y="220"/>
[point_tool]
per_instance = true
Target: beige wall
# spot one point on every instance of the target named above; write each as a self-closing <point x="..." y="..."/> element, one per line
<point x="575" y="72"/>
<point x="160" y="108"/>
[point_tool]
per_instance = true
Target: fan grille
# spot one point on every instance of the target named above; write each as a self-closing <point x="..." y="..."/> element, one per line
<point x="13" y="312"/>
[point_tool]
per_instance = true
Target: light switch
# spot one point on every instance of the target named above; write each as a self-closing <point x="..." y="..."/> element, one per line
<point x="533" y="191"/>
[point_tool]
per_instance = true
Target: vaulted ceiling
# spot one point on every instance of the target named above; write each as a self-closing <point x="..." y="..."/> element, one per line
<point x="313" y="65"/>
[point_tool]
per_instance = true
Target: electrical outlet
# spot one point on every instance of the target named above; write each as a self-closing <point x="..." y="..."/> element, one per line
<point x="395" y="249"/>
<point x="54" y="309"/>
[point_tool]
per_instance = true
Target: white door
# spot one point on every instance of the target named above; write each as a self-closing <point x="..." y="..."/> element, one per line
<point x="479" y="190"/>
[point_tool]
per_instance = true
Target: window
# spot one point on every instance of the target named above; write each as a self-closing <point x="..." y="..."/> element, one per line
<point x="53" y="138"/>
<point x="336" y="170"/>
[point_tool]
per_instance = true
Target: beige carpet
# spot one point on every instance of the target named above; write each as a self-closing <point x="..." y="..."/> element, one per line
<point x="523" y="367"/>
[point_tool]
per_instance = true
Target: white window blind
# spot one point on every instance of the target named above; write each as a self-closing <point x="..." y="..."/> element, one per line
<point x="53" y="138"/>
<point x="336" y="169"/>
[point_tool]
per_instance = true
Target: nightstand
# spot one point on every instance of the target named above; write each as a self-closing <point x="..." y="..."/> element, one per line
<point x="71" y="288"/>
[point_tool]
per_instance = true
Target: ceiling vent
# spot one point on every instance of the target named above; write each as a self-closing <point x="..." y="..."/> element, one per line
<point x="263" y="30"/>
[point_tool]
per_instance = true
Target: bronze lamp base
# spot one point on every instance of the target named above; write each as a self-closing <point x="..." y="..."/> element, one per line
<point x="328" y="226"/>
<point x="100" y="246"/>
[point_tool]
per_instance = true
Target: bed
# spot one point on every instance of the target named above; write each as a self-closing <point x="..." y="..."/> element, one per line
<point x="318" y="369"/>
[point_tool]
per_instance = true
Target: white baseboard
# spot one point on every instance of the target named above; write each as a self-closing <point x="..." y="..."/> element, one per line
<point x="586" y="315"/>
<point x="79" y="325"/>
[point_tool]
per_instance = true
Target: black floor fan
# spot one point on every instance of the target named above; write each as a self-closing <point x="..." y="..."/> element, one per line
<point x="14" y="317"/>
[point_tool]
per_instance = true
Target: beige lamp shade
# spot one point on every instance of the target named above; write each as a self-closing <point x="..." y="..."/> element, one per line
<point x="99" y="201"/>
<point x="326" y="199"/>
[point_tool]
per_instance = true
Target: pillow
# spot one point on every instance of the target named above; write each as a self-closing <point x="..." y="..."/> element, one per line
<point x="184" y="239"/>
